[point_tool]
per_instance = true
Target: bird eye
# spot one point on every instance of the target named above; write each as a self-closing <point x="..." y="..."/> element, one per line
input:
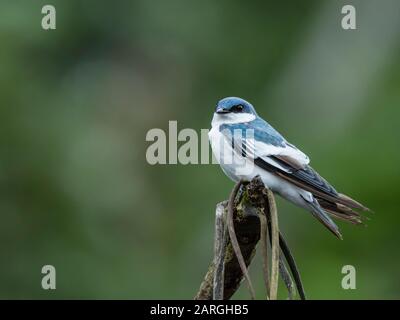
<point x="239" y="108"/>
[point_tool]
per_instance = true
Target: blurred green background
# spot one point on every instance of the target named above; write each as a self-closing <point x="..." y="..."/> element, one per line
<point x="77" y="102"/>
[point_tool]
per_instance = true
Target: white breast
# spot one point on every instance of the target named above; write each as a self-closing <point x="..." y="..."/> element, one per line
<point x="275" y="183"/>
<point x="230" y="118"/>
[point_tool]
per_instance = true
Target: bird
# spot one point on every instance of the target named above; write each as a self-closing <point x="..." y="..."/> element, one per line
<point x="246" y="146"/>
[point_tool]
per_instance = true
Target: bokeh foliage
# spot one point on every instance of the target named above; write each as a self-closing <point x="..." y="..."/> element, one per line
<point x="77" y="102"/>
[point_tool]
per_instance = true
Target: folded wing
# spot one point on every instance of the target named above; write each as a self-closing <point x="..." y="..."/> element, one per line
<point x="270" y="151"/>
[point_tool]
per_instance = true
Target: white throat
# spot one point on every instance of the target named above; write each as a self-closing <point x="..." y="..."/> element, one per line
<point x="230" y="118"/>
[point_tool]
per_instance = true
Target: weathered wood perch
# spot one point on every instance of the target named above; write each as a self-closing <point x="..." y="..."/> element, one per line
<point x="251" y="222"/>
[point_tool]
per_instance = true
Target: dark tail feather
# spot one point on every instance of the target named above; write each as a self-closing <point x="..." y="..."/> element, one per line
<point x="344" y="217"/>
<point x="349" y="202"/>
<point x="323" y="217"/>
<point x="340" y="211"/>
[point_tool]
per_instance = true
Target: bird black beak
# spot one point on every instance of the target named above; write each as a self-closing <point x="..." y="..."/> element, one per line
<point x="221" y="110"/>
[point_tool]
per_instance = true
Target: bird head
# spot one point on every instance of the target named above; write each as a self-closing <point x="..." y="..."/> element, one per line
<point x="233" y="105"/>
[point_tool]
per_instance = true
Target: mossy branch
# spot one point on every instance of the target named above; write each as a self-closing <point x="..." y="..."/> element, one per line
<point x="250" y="215"/>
